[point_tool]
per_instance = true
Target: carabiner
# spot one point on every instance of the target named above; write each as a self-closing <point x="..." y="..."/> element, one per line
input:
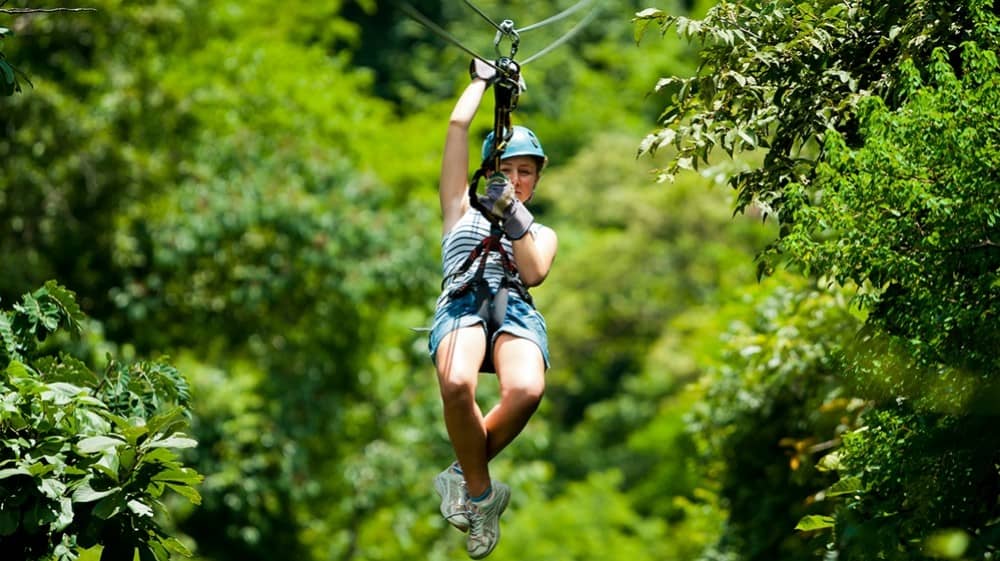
<point x="506" y="29"/>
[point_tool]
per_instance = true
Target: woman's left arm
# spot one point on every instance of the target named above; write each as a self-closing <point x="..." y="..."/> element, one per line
<point x="534" y="254"/>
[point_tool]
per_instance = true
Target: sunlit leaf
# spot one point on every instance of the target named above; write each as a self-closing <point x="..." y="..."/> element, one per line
<point x="813" y="522"/>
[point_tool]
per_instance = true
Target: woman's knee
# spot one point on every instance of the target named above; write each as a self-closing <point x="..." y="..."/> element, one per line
<point x="526" y="391"/>
<point x="457" y="388"/>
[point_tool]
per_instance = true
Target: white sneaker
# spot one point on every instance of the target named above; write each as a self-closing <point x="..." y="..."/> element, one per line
<point x="484" y="521"/>
<point x="451" y="487"/>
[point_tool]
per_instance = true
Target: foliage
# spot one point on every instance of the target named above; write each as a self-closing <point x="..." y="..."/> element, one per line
<point x="253" y="191"/>
<point x="877" y="125"/>
<point x="778" y="75"/>
<point x="613" y="530"/>
<point x="773" y="404"/>
<point x="910" y="217"/>
<point x="909" y="479"/>
<point x="85" y="459"/>
<point x="9" y="74"/>
<point x="657" y="268"/>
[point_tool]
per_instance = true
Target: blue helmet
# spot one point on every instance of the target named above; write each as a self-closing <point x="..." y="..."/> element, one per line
<point x="522" y="143"/>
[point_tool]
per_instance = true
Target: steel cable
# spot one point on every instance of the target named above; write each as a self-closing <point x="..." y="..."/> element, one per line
<point x="557" y="17"/>
<point x="566" y="37"/>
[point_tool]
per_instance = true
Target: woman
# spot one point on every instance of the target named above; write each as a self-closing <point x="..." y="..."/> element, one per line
<point x="458" y="342"/>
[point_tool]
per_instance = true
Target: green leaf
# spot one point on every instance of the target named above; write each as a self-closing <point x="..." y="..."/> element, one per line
<point x="159" y="455"/>
<point x="109" y="506"/>
<point x="140" y="508"/>
<point x="94" y="444"/>
<point x="174" y="545"/>
<point x="176" y="440"/>
<point x="153" y="551"/>
<point x="66" y="300"/>
<point x="813" y="522"/>
<point x="11" y="472"/>
<point x="65" y="515"/>
<point x="8" y="84"/>
<point x="133" y="433"/>
<point x="7" y="339"/>
<point x="40" y="311"/>
<point x="26" y="382"/>
<point x="67" y="369"/>
<point x="186" y="491"/>
<point x="165" y="420"/>
<point x="948" y="544"/>
<point x="61" y="393"/>
<point x="86" y="494"/>
<point x="182" y="475"/>
<point x="51" y="487"/>
<point x="845" y="486"/>
<point x="830" y="462"/>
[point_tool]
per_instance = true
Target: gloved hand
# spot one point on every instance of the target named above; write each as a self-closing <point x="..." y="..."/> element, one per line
<point x="499" y="195"/>
<point x="479" y="69"/>
<point x="501" y="201"/>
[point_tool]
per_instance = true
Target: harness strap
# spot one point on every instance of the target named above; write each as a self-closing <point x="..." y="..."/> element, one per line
<point x="481" y="252"/>
<point x="492" y="308"/>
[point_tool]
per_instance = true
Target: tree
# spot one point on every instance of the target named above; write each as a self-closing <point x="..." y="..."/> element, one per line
<point x="874" y="118"/>
<point x="910" y="217"/>
<point x="85" y="460"/>
<point x="777" y="75"/>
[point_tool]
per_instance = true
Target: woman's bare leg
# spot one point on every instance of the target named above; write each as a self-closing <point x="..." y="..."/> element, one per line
<point x="458" y="359"/>
<point x="521" y="370"/>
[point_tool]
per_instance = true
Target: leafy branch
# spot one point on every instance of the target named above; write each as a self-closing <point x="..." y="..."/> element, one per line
<point x="22" y="11"/>
<point x="83" y="462"/>
<point x="9" y="74"/>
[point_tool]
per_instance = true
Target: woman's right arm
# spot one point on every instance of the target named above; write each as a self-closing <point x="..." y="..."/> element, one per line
<point x="454" y="186"/>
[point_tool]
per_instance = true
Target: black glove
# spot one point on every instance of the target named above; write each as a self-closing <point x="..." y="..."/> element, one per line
<point x="502" y="203"/>
<point x="483" y="71"/>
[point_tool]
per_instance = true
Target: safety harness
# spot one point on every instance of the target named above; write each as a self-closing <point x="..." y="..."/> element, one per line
<point x="492" y="307"/>
<point x="507" y="87"/>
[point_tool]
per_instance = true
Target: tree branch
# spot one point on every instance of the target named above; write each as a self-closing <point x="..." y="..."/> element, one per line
<point x="18" y="11"/>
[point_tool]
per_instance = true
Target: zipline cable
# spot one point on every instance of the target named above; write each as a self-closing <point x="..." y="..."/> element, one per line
<point x="566" y="37"/>
<point x="557" y="17"/>
<point x="506" y="30"/>
<point x="484" y="16"/>
<point x="422" y="19"/>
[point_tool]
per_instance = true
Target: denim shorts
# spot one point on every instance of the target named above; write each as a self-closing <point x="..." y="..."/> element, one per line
<point x="521" y="320"/>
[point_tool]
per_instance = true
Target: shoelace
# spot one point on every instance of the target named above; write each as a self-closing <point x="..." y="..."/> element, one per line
<point x="476" y="520"/>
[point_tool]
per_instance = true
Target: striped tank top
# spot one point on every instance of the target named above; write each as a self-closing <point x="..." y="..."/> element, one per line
<point x="459" y="242"/>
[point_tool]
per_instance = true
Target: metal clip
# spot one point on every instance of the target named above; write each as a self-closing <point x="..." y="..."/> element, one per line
<point x="506" y="29"/>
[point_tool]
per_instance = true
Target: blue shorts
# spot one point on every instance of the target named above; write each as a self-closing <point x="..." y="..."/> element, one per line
<point x="522" y="320"/>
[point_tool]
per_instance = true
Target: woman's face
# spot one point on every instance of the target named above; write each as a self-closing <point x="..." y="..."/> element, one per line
<point x="523" y="174"/>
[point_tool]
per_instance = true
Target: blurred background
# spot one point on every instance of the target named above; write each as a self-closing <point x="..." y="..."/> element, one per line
<point x="249" y="189"/>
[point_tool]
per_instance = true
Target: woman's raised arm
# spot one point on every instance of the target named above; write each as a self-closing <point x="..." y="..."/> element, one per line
<point x="454" y="183"/>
